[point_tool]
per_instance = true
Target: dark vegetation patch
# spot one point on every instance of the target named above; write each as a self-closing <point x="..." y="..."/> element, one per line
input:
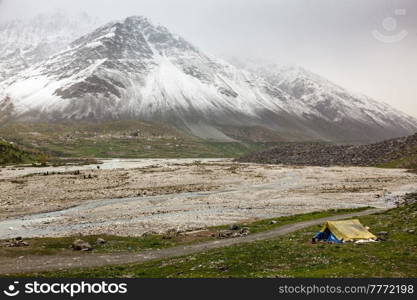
<point x="399" y="153"/>
<point x="122" y="139"/>
<point x="12" y="154"/>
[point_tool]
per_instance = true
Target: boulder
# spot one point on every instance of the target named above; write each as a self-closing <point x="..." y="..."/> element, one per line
<point x="225" y="234"/>
<point x="101" y="241"/>
<point x="234" y="227"/>
<point x="80" y="245"/>
<point x="16" y="243"/>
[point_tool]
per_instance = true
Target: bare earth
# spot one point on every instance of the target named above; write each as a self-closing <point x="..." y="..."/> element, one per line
<point x="157" y="195"/>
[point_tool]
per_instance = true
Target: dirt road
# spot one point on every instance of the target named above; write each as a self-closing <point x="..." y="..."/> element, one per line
<point x="35" y="264"/>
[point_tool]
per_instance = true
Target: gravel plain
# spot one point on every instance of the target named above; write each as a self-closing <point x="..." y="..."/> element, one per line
<point x="134" y="197"/>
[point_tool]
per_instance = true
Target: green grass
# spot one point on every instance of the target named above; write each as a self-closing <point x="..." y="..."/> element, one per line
<point x="291" y="256"/>
<point x="121" y="139"/>
<point x="11" y="154"/>
<point x="164" y="148"/>
<point x="265" y="224"/>
<point x="408" y="162"/>
<point x="61" y="246"/>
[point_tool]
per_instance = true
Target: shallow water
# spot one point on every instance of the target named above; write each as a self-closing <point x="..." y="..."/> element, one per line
<point x="28" y="226"/>
<point x="120" y="212"/>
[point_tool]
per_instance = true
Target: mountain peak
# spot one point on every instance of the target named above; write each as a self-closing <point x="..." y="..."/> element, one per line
<point x="134" y="33"/>
<point x="138" y="20"/>
<point x="132" y="69"/>
<point x="25" y="42"/>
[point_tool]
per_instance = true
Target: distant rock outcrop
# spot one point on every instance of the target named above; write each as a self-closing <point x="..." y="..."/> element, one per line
<point x="316" y="154"/>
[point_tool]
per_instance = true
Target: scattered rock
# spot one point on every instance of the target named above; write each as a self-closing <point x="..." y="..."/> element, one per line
<point x="170" y="234"/>
<point x="101" y="241"/>
<point x="319" y="154"/>
<point x="382" y="236"/>
<point x="244" y="231"/>
<point x="234" y="227"/>
<point x="149" y="233"/>
<point x="226" y="234"/>
<point x="135" y="133"/>
<point x="80" y="245"/>
<point x="16" y="243"/>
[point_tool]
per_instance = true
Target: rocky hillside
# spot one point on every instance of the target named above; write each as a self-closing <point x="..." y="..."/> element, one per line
<point x="23" y="43"/>
<point x="336" y="105"/>
<point x="124" y="139"/>
<point x="11" y="154"/>
<point x="401" y="152"/>
<point x="135" y="70"/>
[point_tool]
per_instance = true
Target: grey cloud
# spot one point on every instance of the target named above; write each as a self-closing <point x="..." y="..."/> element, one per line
<point x="332" y="38"/>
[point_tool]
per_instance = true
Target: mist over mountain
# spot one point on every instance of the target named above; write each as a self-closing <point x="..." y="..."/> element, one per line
<point x="24" y="43"/>
<point x="133" y="69"/>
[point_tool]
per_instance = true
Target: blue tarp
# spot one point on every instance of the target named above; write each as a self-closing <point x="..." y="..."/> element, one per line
<point x="327" y="236"/>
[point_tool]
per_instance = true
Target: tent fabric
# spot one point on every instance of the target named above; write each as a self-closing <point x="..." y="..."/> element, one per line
<point x="343" y="231"/>
<point x="327" y="236"/>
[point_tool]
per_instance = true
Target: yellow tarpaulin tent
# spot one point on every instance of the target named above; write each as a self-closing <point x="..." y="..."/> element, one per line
<point x="348" y="230"/>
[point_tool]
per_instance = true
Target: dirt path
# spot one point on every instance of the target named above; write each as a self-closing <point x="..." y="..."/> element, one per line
<point x="55" y="263"/>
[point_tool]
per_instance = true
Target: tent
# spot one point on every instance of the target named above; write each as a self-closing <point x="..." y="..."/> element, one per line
<point x="343" y="231"/>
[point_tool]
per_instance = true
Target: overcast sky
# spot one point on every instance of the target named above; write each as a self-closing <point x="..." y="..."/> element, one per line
<point x="366" y="46"/>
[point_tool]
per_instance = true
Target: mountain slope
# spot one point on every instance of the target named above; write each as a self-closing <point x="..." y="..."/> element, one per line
<point x="11" y="154"/>
<point x="399" y="152"/>
<point x="133" y="69"/>
<point x="361" y="116"/>
<point x="24" y="43"/>
<point x="122" y="139"/>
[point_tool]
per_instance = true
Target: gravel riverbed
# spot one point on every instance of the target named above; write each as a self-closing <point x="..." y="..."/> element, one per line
<point x="132" y="198"/>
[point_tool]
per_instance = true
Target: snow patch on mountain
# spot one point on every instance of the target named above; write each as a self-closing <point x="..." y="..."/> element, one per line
<point x="333" y="103"/>
<point x="134" y="69"/>
<point x="24" y="43"/>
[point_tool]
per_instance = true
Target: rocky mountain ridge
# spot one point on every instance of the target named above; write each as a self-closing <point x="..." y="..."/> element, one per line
<point x="133" y="69"/>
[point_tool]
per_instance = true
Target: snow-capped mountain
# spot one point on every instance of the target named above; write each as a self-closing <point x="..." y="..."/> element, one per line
<point x="133" y="69"/>
<point x="24" y="43"/>
<point x="337" y="106"/>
